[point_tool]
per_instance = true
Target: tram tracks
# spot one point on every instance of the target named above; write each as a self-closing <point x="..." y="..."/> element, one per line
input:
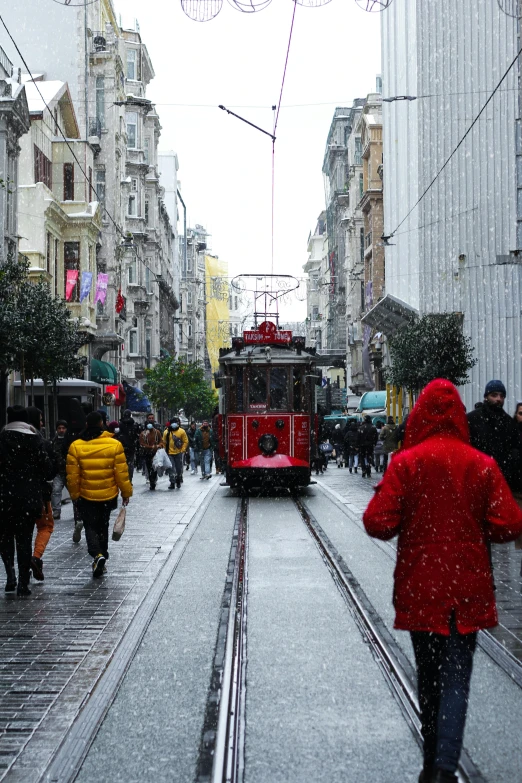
<point x="392" y="661"/>
<point x="222" y="748"/>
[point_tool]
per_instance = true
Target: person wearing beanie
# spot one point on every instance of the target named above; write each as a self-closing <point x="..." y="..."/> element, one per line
<point x="45" y="522"/>
<point x="96" y="472"/>
<point x="24" y="466"/>
<point x="494" y="432"/>
<point x="366" y="442"/>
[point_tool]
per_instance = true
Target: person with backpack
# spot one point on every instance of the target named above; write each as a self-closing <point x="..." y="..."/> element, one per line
<point x="176" y="443"/>
<point x="367" y="439"/>
<point x="446" y="501"/>
<point x="204" y="444"/>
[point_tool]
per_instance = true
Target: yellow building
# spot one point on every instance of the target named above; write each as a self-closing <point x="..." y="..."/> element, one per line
<point x="217" y="313"/>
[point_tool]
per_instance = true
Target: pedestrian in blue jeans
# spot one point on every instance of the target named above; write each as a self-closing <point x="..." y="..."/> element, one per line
<point x="204" y="443"/>
<point x="446" y="502"/>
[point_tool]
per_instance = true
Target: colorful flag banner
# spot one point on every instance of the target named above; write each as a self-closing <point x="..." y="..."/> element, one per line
<point x="120" y="302"/>
<point x="85" y="285"/>
<point x="72" y="277"/>
<point x="101" y="288"/>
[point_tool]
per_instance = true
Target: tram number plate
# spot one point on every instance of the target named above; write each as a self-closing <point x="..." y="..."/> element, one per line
<point x="301" y="437"/>
<point x="235" y="437"/>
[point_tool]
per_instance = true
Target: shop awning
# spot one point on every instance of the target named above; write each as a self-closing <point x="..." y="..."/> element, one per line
<point x="136" y="400"/>
<point x="389" y="314"/>
<point x="103" y="372"/>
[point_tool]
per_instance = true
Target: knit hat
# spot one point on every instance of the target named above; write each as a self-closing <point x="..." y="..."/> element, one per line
<point x="112" y="425"/>
<point x="17" y="413"/>
<point x="493" y="387"/>
<point x="61" y="423"/>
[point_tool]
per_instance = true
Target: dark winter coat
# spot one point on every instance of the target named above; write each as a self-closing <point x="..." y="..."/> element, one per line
<point x="191" y="435"/>
<point x="445" y="501"/>
<point x="492" y="431"/>
<point x="368" y="436"/>
<point x="59" y="455"/>
<point x="128" y="437"/>
<point x="199" y="439"/>
<point x="351" y="439"/>
<point x="24" y="466"/>
<point x="387" y="436"/>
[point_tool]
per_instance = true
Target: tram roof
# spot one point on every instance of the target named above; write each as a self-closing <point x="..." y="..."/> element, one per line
<point x="267" y="354"/>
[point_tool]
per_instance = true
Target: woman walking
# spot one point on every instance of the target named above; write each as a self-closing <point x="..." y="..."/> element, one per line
<point x="445" y="501"/>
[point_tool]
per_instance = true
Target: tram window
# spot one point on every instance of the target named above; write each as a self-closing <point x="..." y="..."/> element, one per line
<point x="298" y="389"/>
<point x="257" y="387"/>
<point x="239" y="390"/>
<point x="278" y="388"/>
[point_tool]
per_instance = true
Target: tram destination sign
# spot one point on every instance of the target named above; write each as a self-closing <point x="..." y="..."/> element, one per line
<point x="267" y="333"/>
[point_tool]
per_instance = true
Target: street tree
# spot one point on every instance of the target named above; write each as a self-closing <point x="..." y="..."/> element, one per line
<point x="433" y="346"/>
<point x="178" y="385"/>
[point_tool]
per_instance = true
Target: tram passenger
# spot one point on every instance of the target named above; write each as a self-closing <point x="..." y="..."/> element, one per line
<point x="176" y="444"/>
<point x="445" y="500"/>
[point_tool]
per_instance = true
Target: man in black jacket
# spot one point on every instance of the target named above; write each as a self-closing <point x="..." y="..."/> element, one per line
<point x="24" y="466"/>
<point x="495" y="433"/>
<point x="368" y="437"/>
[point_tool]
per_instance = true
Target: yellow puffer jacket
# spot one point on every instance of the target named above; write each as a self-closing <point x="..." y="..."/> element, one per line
<point x="168" y="440"/>
<point x="97" y="469"/>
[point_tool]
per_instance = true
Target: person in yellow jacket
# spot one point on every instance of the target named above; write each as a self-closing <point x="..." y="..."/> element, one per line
<point x="96" y="471"/>
<point x="176" y="443"/>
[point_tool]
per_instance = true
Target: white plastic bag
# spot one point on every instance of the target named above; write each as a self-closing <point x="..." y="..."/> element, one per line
<point x="159" y="463"/>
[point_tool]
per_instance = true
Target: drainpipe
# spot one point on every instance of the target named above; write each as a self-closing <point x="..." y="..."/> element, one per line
<point x="86" y="72"/>
<point x="518" y="136"/>
<point x="185" y="229"/>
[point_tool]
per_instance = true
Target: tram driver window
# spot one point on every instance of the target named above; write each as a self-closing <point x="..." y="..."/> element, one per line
<point x="298" y="389"/>
<point x="257" y="387"/>
<point x="278" y="388"/>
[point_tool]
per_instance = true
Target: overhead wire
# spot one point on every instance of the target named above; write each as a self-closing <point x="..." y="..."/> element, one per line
<point x="276" y="120"/>
<point x="455" y="149"/>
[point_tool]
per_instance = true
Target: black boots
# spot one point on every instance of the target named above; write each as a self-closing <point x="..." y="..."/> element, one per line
<point x="10" y="585"/>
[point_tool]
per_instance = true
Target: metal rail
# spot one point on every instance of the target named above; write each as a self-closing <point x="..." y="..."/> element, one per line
<point x="395" y="666"/>
<point x="221" y="753"/>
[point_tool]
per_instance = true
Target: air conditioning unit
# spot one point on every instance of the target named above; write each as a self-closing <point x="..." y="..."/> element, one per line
<point x="129" y="369"/>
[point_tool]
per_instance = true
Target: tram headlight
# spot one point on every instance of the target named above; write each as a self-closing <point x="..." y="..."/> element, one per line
<point x="268" y="443"/>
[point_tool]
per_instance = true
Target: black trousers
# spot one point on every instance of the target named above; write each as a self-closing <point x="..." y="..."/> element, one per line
<point x="148" y="456"/>
<point x="95" y="516"/>
<point x="19" y="531"/>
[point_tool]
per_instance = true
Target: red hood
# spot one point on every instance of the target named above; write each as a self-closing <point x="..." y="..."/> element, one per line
<point x="438" y="411"/>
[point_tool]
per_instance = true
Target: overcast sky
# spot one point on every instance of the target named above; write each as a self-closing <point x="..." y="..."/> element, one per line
<point x="237" y="60"/>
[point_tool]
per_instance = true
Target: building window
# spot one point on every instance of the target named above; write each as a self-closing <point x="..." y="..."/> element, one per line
<point x="100" y="100"/>
<point x="132" y="130"/>
<point x="146" y="149"/>
<point x="133" y="276"/>
<point x="190" y="357"/>
<point x="43" y="170"/>
<point x="361" y="244"/>
<point x="189" y="329"/>
<point x="131" y="64"/>
<point x="358" y="151"/>
<point x="48" y="251"/>
<point x="131" y="208"/>
<point x="180" y="333"/>
<point x="90" y="183"/>
<point x="133" y="342"/>
<point x="189" y="298"/>
<point x="361" y="186"/>
<point x="56" y="265"/>
<point x="146" y="211"/>
<point x="315" y="313"/>
<point x="68" y="181"/>
<point x="100" y="187"/>
<point x="148" y="345"/>
<point x="147" y="280"/>
<point x="71" y="260"/>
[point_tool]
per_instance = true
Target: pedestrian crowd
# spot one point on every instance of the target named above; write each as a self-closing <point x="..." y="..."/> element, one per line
<point x="95" y="461"/>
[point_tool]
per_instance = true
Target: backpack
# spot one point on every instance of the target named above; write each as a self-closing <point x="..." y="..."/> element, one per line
<point x="178" y="443"/>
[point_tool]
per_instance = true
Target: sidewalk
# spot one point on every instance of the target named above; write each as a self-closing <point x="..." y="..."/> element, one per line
<point x="55" y="643"/>
<point x="356" y="493"/>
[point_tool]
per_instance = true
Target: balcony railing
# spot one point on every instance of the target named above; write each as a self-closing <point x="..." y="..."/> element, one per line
<point x="100" y="42"/>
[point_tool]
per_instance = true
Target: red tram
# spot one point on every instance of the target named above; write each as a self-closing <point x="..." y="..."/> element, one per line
<point x="268" y="422"/>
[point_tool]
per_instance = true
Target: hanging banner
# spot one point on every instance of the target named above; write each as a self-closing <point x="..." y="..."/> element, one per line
<point x="101" y="288"/>
<point x="72" y="277"/>
<point x="120" y="302"/>
<point x="85" y="285"/>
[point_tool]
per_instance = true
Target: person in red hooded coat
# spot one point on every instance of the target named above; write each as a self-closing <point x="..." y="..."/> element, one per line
<point x="445" y="500"/>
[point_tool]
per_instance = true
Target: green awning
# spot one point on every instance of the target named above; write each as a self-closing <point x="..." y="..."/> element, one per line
<point x="103" y="372"/>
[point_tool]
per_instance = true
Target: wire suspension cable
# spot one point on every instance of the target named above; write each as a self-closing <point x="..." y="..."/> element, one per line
<point x="439" y="172"/>
<point x="117" y="227"/>
<point x="276" y="120"/>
